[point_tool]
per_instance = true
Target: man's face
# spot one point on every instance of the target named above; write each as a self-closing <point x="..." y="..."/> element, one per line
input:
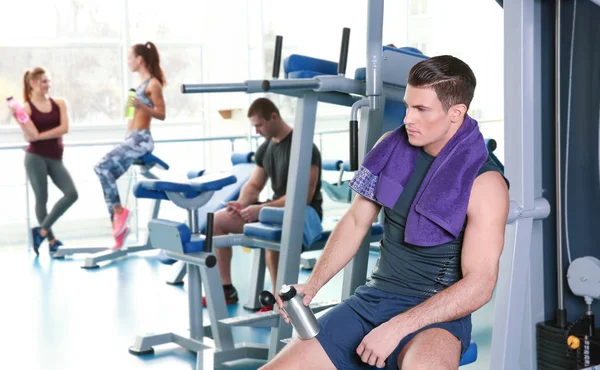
<point x="426" y="121"/>
<point x="262" y="126"/>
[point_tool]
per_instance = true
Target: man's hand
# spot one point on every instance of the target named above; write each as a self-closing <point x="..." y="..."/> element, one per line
<point x="235" y="206"/>
<point x="379" y="344"/>
<point x="307" y="290"/>
<point x="250" y="213"/>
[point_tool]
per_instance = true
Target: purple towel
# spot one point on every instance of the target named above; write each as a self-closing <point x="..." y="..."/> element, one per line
<point x="438" y="212"/>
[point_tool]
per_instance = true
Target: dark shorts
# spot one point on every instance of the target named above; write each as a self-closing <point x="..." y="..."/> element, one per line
<point x="345" y="326"/>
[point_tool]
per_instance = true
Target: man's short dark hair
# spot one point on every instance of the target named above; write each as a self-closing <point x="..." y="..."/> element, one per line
<point x="452" y="79"/>
<point x="263" y="107"/>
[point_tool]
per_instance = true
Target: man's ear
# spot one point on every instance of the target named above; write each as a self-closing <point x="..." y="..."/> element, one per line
<point x="457" y="112"/>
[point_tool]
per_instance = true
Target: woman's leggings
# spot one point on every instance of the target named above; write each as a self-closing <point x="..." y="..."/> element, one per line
<point x="38" y="170"/>
<point x="116" y="162"/>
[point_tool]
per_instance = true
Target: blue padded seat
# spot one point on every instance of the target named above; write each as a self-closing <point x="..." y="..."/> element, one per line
<point x="470" y="355"/>
<point x="361" y="73"/>
<point x="271" y="215"/>
<point x="335" y="165"/>
<point x="195" y="173"/>
<point x="308" y="65"/>
<point x="191" y="243"/>
<point x="491" y="145"/>
<point x="150" y="159"/>
<point x="157" y="189"/>
<point x="241" y="157"/>
<point x="262" y="231"/>
<point x="139" y="191"/>
<point x="332" y="164"/>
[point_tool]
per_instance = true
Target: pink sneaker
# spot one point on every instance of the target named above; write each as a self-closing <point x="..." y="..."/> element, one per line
<point x="120" y="222"/>
<point x="120" y="240"/>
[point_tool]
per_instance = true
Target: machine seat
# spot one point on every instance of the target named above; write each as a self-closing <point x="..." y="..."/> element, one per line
<point x="158" y="189"/>
<point x="151" y="160"/>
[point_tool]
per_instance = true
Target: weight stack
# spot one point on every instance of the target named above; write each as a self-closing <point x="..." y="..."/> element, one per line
<point x="553" y="352"/>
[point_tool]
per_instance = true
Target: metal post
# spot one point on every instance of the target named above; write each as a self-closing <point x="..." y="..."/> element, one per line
<point x="561" y="314"/>
<point x="155" y="205"/>
<point x="295" y="206"/>
<point x="511" y="296"/>
<point x="195" y="301"/>
<point x="194" y="221"/>
<point x="374" y="52"/>
<point x="371" y="126"/>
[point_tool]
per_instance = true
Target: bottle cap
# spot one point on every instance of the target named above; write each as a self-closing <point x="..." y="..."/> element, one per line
<point x="10" y="97"/>
<point x="287" y="292"/>
<point x="132" y="90"/>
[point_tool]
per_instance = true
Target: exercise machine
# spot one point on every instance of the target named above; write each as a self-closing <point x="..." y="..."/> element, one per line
<point x="103" y="254"/>
<point x="311" y="80"/>
<point x="185" y="243"/>
<point x="325" y="85"/>
<point x="242" y="167"/>
<point x="213" y="343"/>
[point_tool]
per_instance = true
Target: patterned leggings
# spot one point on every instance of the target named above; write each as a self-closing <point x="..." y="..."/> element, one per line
<point x="116" y="162"/>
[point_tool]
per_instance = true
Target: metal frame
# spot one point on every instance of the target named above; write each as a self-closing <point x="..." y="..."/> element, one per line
<point x="212" y="343"/>
<point x="518" y="301"/>
<point x="330" y="89"/>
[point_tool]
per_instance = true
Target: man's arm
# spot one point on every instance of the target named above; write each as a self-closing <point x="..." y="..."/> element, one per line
<point x="482" y="246"/>
<point x="63" y="127"/>
<point x="344" y="241"/>
<point x="251" y="190"/>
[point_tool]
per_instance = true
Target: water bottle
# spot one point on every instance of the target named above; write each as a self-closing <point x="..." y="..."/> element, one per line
<point x="20" y="113"/>
<point x="130" y="110"/>
<point x="301" y="316"/>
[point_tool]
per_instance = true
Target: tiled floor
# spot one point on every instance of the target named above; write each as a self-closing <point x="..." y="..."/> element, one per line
<point x="56" y="315"/>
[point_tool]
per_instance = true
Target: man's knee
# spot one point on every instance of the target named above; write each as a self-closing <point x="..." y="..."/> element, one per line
<point x="226" y="222"/>
<point x="431" y="349"/>
<point x="300" y="354"/>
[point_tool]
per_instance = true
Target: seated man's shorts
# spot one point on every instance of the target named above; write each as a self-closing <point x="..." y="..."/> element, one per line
<point x="344" y="326"/>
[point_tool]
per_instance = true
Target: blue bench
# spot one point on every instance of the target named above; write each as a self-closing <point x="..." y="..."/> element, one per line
<point x="242" y="169"/>
<point x="300" y="66"/>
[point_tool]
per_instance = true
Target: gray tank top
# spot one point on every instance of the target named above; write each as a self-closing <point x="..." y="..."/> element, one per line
<point x="412" y="270"/>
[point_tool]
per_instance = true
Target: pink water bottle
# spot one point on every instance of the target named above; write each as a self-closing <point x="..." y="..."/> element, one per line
<point x="20" y="113"/>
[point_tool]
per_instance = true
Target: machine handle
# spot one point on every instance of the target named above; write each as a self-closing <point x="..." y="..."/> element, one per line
<point x="277" y="57"/>
<point x="213" y="88"/>
<point x="344" y="51"/>
<point x="210" y="217"/>
<point x="291" y="84"/>
<point x="353" y="145"/>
